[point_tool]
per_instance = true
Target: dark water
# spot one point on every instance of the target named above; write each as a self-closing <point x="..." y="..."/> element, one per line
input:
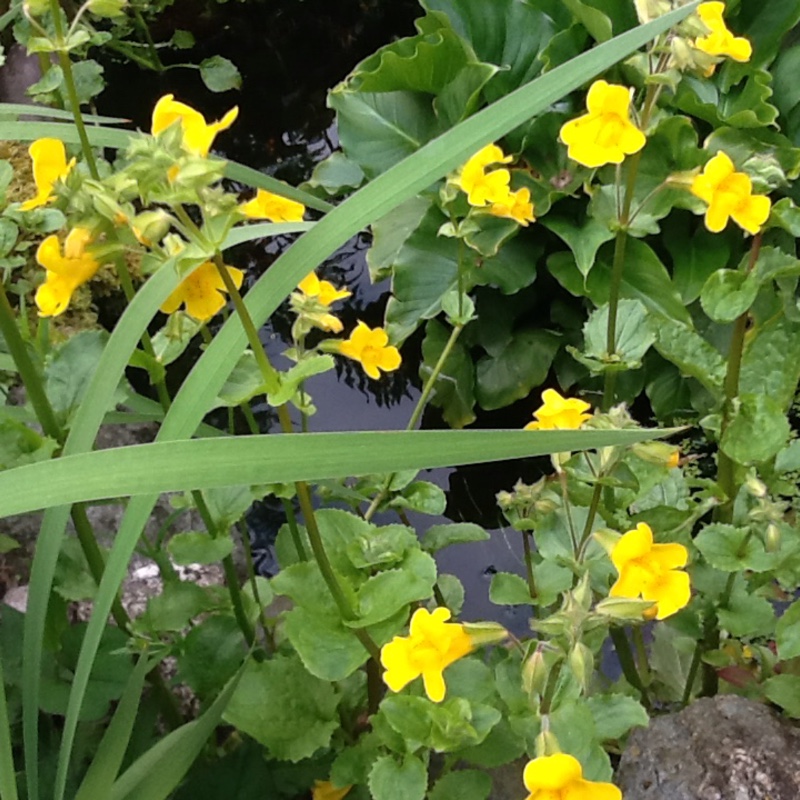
<point x="289" y="55"/>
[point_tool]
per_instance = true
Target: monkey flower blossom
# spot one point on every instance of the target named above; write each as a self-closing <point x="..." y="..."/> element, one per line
<point x="266" y="205"/>
<point x="49" y="165"/>
<point x="198" y="135"/>
<point x="560" y="777"/>
<point x="201" y="292"/>
<point x="720" y="41"/>
<point x="65" y="273"/>
<point x="559" y="413"/>
<point x="371" y="349"/>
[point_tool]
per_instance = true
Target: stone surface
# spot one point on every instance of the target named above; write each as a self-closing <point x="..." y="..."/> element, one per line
<point x="721" y="748"/>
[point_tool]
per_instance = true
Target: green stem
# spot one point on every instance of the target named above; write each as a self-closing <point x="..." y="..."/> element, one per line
<point x="641" y="654"/>
<point x="27" y="370"/>
<point x="271" y="377"/>
<point x="251" y="573"/>
<point x="594" y="504"/>
<point x="151" y="45"/>
<point x="417" y="412"/>
<point x="526" y="547"/>
<point x="690" y="678"/>
<point x="550" y="688"/>
<point x="562" y="479"/>
<point x="69" y="82"/>
<point x="627" y="663"/>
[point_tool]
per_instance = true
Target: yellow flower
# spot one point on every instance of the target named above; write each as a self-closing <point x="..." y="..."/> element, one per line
<point x="606" y="134"/>
<point x="559" y="413"/>
<point x="651" y="571"/>
<point x="483" y="187"/>
<point x="201" y="292"/>
<point x="49" y="164"/>
<point x="431" y="647"/>
<point x="729" y="194"/>
<point x="64" y="273"/>
<point x="273" y="207"/>
<point x="517" y="206"/>
<point x="720" y="41"/>
<point x="674" y="459"/>
<point x="323" y="292"/>
<point x="371" y="349"/>
<point x="325" y="790"/>
<point x="197" y="133"/>
<point x="560" y="777"/>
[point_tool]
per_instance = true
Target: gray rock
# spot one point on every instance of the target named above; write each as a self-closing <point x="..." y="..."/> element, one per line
<point x="720" y="748"/>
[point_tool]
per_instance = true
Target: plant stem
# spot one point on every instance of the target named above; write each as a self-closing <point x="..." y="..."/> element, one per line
<point x="270" y="376"/>
<point x="626" y="661"/>
<point x="526" y="547"/>
<point x="69" y="82"/>
<point x="417" y="412"/>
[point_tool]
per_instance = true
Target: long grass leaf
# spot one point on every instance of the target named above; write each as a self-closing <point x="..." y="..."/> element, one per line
<point x="178" y="466"/>
<point x="156" y="773"/>
<point x="28" y="109"/>
<point x="8" y="774"/>
<point x="110" y="752"/>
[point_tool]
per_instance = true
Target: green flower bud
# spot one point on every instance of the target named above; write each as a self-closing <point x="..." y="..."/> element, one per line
<point x="151" y="227"/>
<point x="581" y="662"/>
<point x="607" y="539"/>
<point x="534" y="673"/>
<point x="624" y="609"/>
<point x="107" y="8"/>
<point x="35" y="8"/>
<point x="772" y="538"/>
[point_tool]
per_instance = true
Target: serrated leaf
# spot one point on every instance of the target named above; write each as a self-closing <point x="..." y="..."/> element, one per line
<point x="731" y="549"/>
<point x="508" y="589"/>
<point x="220" y="74"/>
<point x="390" y="780"/>
<point x="747" y="615"/>
<point x="787" y="633"/>
<point x="211" y="653"/>
<point x="634" y="335"/>
<point x="584" y="240"/>
<point x="757" y="430"/>
<point x="289" y="711"/>
<point x="692" y="354"/>
<point x="197" y="547"/>
<point x="727" y="294"/>
<point x="615" y="714"/>
<point x="466" y="784"/>
<point x="784" y="691"/>
<point x="438" y="537"/>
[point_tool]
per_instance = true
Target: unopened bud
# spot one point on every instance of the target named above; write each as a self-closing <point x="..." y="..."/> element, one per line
<point x="581" y="662"/>
<point x="151" y="227"/>
<point x="648" y="10"/>
<point x="534" y="673"/>
<point x="482" y="633"/>
<point x="107" y="8"/>
<point x="583" y="592"/>
<point x="755" y="486"/>
<point x="546" y="743"/>
<point x="772" y="538"/>
<point x="624" y="609"/>
<point x="35" y="8"/>
<point x="657" y="453"/>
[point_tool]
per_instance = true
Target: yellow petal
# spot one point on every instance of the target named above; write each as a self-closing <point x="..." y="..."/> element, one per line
<point x="48" y="254"/>
<point x="53" y="296"/>
<point x="670" y="556"/>
<point x="753" y="213"/>
<point x="632" y="545"/>
<point x="671" y="592"/>
<point x="551" y="773"/>
<point x="434" y="685"/>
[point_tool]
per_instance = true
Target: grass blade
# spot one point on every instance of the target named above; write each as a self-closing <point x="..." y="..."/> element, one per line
<point x="8" y="775"/>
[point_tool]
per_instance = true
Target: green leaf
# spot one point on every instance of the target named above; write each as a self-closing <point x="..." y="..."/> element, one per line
<point x="197" y="547"/>
<point x="220" y="74"/>
<point x="211" y="653"/>
<point x="389" y="234"/>
<point x="615" y="714"/>
<point x="584" y="240"/>
<point x="172" y="610"/>
<point x="20" y="445"/>
<point x="644" y="278"/>
<point x="758" y="149"/>
<point x="422" y="496"/>
<point x="328" y="649"/>
<point x="417" y="293"/>
<point x="461" y="97"/>
<point x="292" y="380"/>
<point x="465" y="784"/>
<point x="757" y="430"/>
<point x="787" y="633"/>
<point x="766" y="25"/>
<point x="335" y="174"/>
<point x="244" y="382"/>
<point x="384" y="594"/>
<point x="508" y="589"/>
<point x="452" y="590"/>
<point x="512" y="269"/>
<point x="747" y="615"/>
<point x="634" y="335"/>
<point x="744" y="106"/>
<point x="49" y="82"/>
<point x="727" y="294"/>
<point x="597" y="23"/>
<point x="521" y="367"/>
<point x="390" y="780"/>
<point x="377" y="130"/>
<point x="304" y="584"/>
<point x="732" y="549"/>
<point x="302" y="709"/>
<point x="7" y="543"/>
<point x="784" y="691"/>
<point x="87" y="75"/>
<point x="381" y="547"/>
<point x="227" y="505"/>
<point x="438" y="537"/>
<point x="454" y="387"/>
<point x="771" y="360"/>
<point x="694" y="261"/>
<point x="68" y="371"/>
<point x="692" y="354"/>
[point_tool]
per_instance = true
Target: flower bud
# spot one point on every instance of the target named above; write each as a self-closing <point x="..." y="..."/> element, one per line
<point x="772" y="538"/>
<point x="151" y="227"/>
<point x="581" y="662"/>
<point x="36" y="8"/>
<point x="482" y="633"/>
<point x="657" y="453"/>
<point x="534" y="673"/>
<point x="607" y="539"/>
<point x="107" y="8"/>
<point x="648" y="10"/>
<point x="755" y="486"/>
<point x="546" y="743"/>
<point x="624" y="609"/>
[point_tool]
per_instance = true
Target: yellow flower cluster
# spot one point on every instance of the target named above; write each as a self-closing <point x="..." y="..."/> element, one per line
<point x="314" y="299"/>
<point x="198" y="135"/>
<point x="371" y="348"/>
<point x="720" y="41"/>
<point x="49" y="165"/>
<point x="491" y="189"/>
